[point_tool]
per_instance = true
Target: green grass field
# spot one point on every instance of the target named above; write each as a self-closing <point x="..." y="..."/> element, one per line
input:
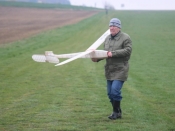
<point x="42" y="97"/>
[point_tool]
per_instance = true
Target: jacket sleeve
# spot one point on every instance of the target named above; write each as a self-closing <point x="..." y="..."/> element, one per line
<point x="99" y="60"/>
<point x="125" y="51"/>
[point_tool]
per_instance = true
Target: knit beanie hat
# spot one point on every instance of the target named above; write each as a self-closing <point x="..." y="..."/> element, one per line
<point x="115" y="22"/>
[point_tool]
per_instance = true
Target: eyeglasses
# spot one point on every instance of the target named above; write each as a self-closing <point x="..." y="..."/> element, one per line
<point x="112" y="26"/>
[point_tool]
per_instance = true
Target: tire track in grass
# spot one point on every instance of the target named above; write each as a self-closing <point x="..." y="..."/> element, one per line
<point x="146" y="109"/>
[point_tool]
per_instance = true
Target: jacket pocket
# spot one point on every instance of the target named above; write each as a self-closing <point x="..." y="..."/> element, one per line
<point x="118" y="67"/>
<point x="113" y="70"/>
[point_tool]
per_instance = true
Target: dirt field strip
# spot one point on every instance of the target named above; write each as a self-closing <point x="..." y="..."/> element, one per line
<point x="18" y="23"/>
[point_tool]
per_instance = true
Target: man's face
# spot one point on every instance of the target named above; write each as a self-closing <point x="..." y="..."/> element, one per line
<point x="114" y="30"/>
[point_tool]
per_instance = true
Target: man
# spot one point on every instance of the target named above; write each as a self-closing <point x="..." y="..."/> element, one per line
<point x="119" y="47"/>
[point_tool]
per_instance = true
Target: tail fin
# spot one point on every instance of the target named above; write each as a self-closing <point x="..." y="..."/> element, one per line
<point x="48" y="57"/>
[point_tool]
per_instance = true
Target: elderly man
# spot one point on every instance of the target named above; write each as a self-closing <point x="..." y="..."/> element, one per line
<point x="119" y="47"/>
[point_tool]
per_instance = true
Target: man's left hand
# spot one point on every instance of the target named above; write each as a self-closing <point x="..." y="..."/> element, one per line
<point x="109" y="54"/>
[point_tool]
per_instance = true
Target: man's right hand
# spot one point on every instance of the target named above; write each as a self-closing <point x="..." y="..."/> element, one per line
<point x="94" y="59"/>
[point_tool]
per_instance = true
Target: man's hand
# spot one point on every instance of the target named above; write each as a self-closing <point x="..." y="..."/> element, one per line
<point x="94" y="59"/>
<point x="109" y="54"/>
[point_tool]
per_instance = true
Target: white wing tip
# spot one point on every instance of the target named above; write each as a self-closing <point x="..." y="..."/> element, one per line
<point x="57" y="64"/>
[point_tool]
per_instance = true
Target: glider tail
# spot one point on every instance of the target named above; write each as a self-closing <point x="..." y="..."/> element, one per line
<point x="48" y="57"/>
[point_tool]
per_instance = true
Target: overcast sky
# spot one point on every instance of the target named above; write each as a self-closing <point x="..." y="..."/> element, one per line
<point x="129" y="4"/>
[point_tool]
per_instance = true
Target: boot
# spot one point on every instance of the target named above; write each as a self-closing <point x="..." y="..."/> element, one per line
<point x="111" y="116"/>
<point x="117" y="113"/>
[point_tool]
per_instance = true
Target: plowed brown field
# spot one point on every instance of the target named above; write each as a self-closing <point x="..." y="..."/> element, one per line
<point x="18" y="23"/>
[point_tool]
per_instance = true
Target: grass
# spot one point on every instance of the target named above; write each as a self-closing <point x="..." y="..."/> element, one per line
<point x="38" y="96"/>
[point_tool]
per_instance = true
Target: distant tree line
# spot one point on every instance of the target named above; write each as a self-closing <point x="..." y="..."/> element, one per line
<point x="108" y="6"/>
<point x="44" y="1"/>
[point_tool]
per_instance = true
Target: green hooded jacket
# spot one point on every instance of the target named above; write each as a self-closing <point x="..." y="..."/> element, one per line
<point x="117" y="66"/>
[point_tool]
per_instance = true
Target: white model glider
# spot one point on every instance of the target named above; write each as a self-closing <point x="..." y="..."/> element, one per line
<point x="91" y="52"/>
